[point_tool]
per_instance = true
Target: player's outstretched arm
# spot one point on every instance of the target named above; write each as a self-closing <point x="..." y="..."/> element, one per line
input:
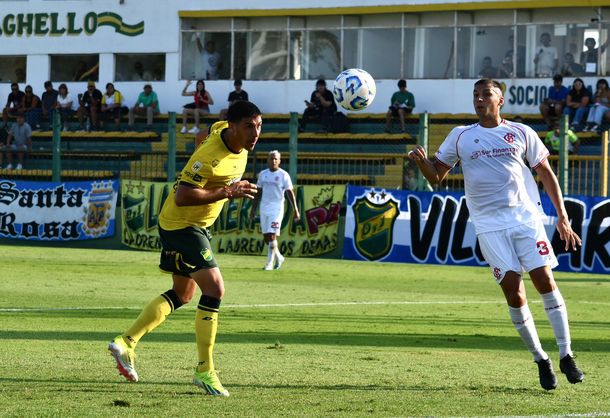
<point x="187" y="195"/>
<point x="549" y="181"/>
<point x="432" y="170"/>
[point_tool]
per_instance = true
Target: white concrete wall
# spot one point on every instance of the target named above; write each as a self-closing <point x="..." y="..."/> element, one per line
<point x="162" y="35"/>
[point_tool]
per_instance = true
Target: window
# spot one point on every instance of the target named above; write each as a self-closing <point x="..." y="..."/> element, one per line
<point x="143" y="67"/>
<point x="74" y="67"/>
<point x="12" y="69"/>
<point x="437" y="54"/>
<point x="460" y="44"/>
<point x="266" y="55"/>
<point x="315" y="54"/>
<point x="206" y="55"/>
<point x="381" y="51"/>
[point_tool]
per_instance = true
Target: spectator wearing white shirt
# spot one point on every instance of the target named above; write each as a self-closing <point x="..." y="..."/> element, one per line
<point x="65" y="105"/>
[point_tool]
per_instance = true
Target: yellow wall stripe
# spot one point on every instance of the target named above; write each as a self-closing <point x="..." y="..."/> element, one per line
<point x="403" y="8"/>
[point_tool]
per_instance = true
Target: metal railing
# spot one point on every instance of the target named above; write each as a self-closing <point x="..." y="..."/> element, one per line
<point x="584" y="175"/>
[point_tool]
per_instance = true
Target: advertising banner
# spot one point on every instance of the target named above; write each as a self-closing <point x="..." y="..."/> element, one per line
<point x="316" y="233"/>
<point x="141" y="202"/>
<point x="47" y="211"/>
<point x="435" y="228"/>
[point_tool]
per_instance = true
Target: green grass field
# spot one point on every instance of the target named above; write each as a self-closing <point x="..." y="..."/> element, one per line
<point x="319" y="338"/>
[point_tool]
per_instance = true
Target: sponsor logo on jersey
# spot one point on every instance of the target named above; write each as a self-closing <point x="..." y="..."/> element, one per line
<point x="197" y="165"/>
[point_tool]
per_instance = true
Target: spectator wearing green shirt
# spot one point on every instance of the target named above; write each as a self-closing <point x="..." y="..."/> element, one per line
<point x="401" y="104"/>
<point x="147" y="103"/>
<point x="552" y="141"/>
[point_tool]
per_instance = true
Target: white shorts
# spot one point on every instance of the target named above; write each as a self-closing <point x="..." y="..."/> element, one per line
<point x="521" y="248"/>
<point x="272" y="222"/>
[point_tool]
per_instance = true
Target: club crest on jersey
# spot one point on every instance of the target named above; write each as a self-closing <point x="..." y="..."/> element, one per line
<point x="215" y="163"/>
<point x="207" y="255"/>
<point x="509" y="137"/>
<point x="197" y="165"/>
<point x="375" y="214"/>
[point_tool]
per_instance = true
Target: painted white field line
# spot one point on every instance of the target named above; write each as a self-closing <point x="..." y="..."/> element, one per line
<point x="289" y="305"/>
<point x="260" y="305"/>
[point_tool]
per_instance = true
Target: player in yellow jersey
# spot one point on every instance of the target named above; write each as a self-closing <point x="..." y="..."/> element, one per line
<point x="211" y="176"/>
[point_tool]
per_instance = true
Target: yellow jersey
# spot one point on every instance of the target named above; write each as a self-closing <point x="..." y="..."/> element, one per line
<point x="211" y="165"/>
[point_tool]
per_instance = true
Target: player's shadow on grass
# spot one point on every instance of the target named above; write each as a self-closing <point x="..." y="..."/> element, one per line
<point x="186" y="389"/>
<point x="363" y="339"/>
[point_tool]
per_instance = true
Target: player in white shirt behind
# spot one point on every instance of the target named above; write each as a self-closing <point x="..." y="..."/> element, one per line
<point x="272" y="183"/>
<point x="504" y="206"/>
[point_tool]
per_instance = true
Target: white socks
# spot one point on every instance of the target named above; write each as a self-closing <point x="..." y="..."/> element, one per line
<point x="524" y="324"/>
<point x="271" y="249"/>
<point x="557" y="313"/>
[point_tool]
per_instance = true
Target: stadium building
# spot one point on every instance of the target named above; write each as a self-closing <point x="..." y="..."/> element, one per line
<point x="279" y="48"/>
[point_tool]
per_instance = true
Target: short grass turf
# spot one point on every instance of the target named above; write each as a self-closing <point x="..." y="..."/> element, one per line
<point x="318" y="338"/>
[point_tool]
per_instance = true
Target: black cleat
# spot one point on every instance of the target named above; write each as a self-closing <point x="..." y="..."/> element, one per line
<point x="569" y="368"/>
<point x="548" y="380"/>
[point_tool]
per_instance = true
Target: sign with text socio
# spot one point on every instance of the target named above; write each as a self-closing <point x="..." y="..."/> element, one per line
<point x="435" y="228"/>
<point x="46" y="211"/>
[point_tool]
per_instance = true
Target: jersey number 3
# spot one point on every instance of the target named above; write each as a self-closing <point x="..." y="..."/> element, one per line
<point x="543" y="248"/>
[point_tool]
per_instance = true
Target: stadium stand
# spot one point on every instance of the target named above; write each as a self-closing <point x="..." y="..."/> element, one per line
<point x="363" y="156"/>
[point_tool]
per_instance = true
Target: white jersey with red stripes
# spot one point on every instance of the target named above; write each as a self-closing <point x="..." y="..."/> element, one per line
<point x="500" y="189"/>
<point x="274" y="184"/>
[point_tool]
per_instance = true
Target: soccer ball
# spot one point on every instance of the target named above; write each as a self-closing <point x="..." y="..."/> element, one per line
<point x="354" y="89"/>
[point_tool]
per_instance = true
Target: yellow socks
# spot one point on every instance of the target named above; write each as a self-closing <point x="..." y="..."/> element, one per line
<point x="206" y="323"/>
<point x="152" y="316"/>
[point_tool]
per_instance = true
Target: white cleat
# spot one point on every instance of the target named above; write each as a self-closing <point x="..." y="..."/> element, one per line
<point x="268" y="267"/>
<point x="124" y="357"/>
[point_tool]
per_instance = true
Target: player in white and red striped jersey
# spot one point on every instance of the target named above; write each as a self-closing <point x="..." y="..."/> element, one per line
<point x="504" y="205"/>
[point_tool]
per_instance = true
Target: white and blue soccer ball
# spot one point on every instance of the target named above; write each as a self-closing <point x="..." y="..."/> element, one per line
<point x="354" y="89"/>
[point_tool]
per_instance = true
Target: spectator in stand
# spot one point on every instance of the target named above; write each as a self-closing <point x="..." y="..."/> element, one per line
<point x="570" y="68"/>
<point x="588" y="58"/>
<point x="402" y="103"/>
<point x="506" y="67"/>
<point x="64" y="106"/>
<point x="552" y="140"/>
<point x="577" y="104"/>
<point x="487" y="69"/>
<point x="199" y="107"/>
<point x="31" y="108"/>
<point x="18" y="142"/>
<point x="601" y="104"/>
<point x="139" y="74"/>
<point x="321" y="106"/>
<point x="13" y="103"/>
<point x="112" y="102"/>
<point x="546" y="58"/>
<point x="148" y="104"/>
<point x="19" y="75"/>
<point x="89" y="106"/>
<point x="552" y="107"/>
<point x="49" y="101"/>
<point x="210" y="59"/>
<point x="235" y="95"/>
